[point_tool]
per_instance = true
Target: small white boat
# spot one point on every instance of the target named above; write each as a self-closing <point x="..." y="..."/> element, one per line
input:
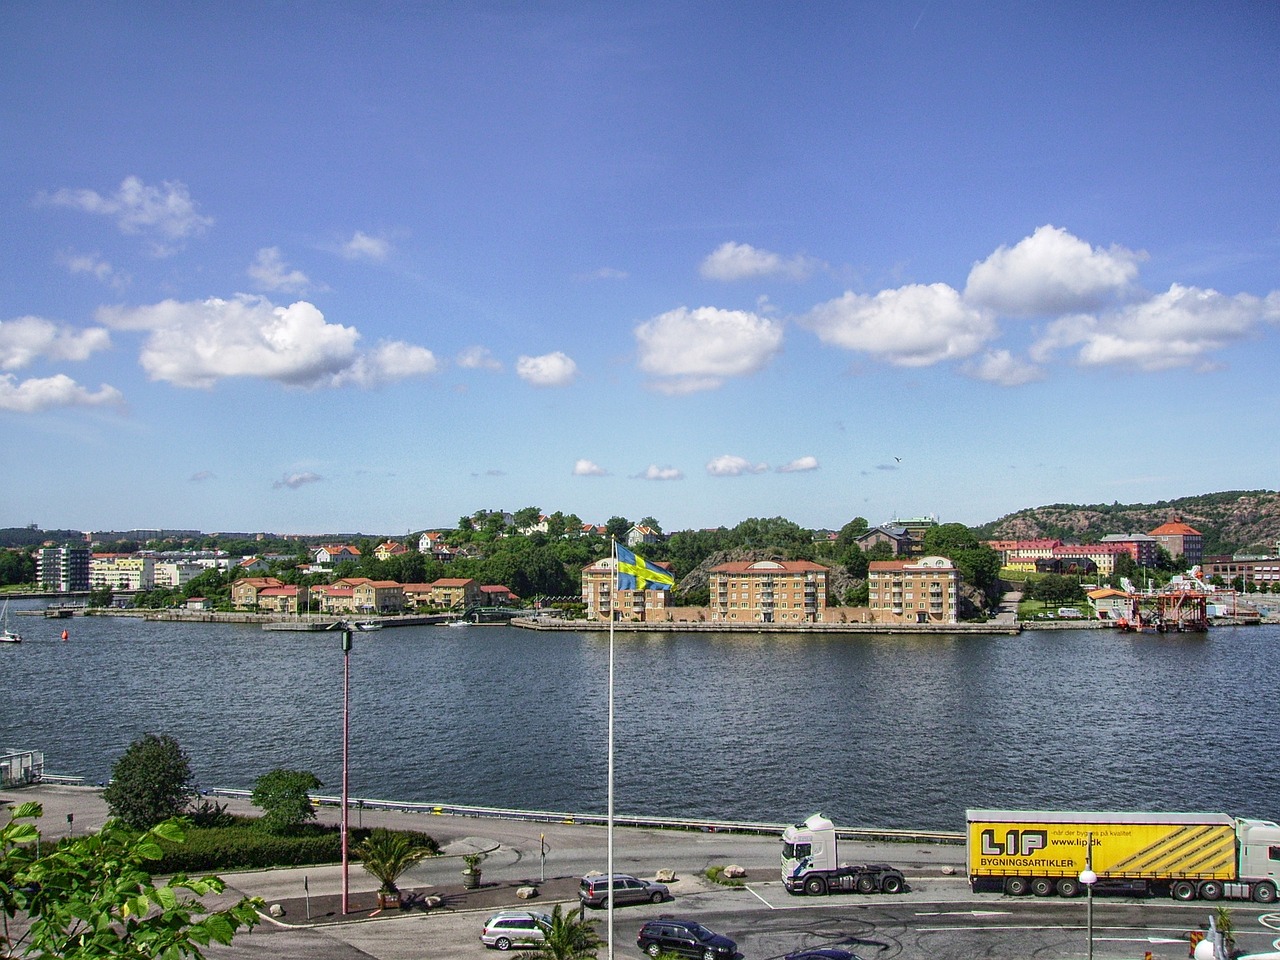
<point x="458" y="623"/>
<point x="368" y="625"/>
<point x="7" y="635"/>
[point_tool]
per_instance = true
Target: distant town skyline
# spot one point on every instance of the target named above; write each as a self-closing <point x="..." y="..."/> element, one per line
<point x="358" y="267"/>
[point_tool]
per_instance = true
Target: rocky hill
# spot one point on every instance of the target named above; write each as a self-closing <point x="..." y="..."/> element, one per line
<point x="1237" y="521"/>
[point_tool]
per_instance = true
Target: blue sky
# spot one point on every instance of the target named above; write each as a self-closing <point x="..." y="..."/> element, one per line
<point x="308" y="267"/>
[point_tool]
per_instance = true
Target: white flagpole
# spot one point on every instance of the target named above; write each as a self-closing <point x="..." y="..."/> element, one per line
<point x="613" y="605"/>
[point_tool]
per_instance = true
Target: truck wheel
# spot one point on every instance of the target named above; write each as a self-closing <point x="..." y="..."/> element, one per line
<point x="815" y="887"/>
<point x="1211" y="890"/>
<point x="1016" y="886"/>
<point x="891" y="884"/>
<point x="1183" y="890"/>
<point x="1042" y="887"/>
<point x="1265" y="892"/>
<point x="866" y="884"/>
<point x="1068" y="887"/>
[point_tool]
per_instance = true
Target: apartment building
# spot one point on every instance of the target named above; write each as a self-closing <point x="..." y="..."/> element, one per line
<point x="454" y="593"/>
<point x="244" y="592"/>
<point x="603" y="600"/>
<point x="1263" y="572"/>
<point x="378" y="596"/>
<point x="121" y="571"/>
<point x="1180" y="540"/>
<point x="63" y="569"/>
<point x="769" y="591"/>
<point x="913" y="591"/>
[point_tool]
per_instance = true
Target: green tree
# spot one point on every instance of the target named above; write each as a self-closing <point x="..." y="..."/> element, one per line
<point x="570" y="936"/>
<point x="100" y="597"/>
<point x="92" y="897"/>
<point x="617" y="527"/>
<point x="386" y="855"/>
<point x="284" y="798"/>
<point x="150" y="782"/>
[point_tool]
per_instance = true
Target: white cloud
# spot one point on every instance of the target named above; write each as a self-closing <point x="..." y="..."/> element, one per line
<point x="362" y="246"/>
<point x="697" y="349"/>
<point x="478" y="358"/>
<point x="198" y="343"/>
<point x="1181" y="327"/>
<point x="166" y="211"/>
<point x="799" y="465"/>
<point x="45" y="393"/>
<point x="741" y="261"/>
<point x="270" y="272"/>
<point x="293" y="481"/>
<point x="655" y="472"/>
<point x="728" y="465"/>
<point x="96" y="267"/>
<point x="549" y="370"/>
<point x="912" y="326"/>
<point x="585" y="468"/>
<point x="1051" y="272"/>
<point x="605" y="273"/>
<point x="25" y="339"/>
<point x="1003" y="368"/>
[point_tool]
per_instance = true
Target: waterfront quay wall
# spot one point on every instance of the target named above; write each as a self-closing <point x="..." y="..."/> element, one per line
<point x="721" y="626"/>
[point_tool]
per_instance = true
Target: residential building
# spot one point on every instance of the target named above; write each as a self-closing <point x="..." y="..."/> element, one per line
<point x="121" y="571"/>
<point x="286" y="598"/>
<point x="1103" y="555"/>
<point x="640" y="534"/>
<point x="175" y="574"/>
<point x="1180" y="540"/>
<point x="1141" y="546"/>
<point x="769" y="591"/>
<point x="388" y="549"/>
<point x="1260" y="571"/>
<point x="1109" y="603"/>
<point x="1023" y="554"/>
<point x="896" y="537"/>
<point x="603" y="600"/>
<point x="244" y="592"/>
<point x="253" y="565"/>
<point x="431" y="544"/>
<point x="334" y="553"/>
<point x="913" y="591"/>
<point x="378" y="596"/>
<point x="454" y="593"/>
<point x="496" y="595"/>
<point x="63" y="569"/>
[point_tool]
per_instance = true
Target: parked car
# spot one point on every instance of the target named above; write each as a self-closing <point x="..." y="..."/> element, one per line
<point x="823" y="953"/>
<point x="514" y="928"/>
<point x="593" y="891"/>
<point x="688" y="938"/>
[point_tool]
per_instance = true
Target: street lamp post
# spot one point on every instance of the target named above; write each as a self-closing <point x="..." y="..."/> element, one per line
<point x="346" y="730"/>
<point x="1089" y="878"/>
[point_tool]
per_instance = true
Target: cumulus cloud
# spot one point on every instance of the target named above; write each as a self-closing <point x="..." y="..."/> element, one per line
<point x="549" y="370"/>
<point x="166" y="212"/>
<point x="799" y="465"/>
<point x="362" y="246"/>
<point x="293" y="481"/>
<point x="585" y="468"/>
<point x="728" y="465"/>
<point x="912" y="326"/>
<point x="46" y="393"/>
<point x="690" y="350"/>
<point x="1003" y="368"/>
<point x="27" y="338"/>
<point x="1181" y="327"/>
<point x="478" y="358"/>
<point x="655" y="472"/>
<point x="96" y="267"/>
<point x="741" y="261"/>
<point x="198" y="343"/>
<point x="1052" y="272"/>
<point x="270" y="272"/>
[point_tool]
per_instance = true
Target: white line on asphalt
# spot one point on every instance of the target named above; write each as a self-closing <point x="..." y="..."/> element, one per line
<point x="967" y="913"/>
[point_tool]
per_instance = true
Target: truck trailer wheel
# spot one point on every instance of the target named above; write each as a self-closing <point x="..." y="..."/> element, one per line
<point x="1265" y="892"/>
<point x="891" y="884"/>
<point x="1068" y="887"/>
<point x="815" y="887"/>
<point x="1183" y="890"/>
<point x="1016" y="886"/>
<point x="1211" y="890"/>
<point x="1042" y="887"/>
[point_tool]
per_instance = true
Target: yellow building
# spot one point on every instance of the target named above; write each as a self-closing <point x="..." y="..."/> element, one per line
<point x="769" y="591"/>
<point x="121" y="571"/>
<point x="913" y="591"/>
<point x="602" y="598"/>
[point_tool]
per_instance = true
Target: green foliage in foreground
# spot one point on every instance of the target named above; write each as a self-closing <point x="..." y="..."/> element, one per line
<point x="716" y="875"/>
<point x="93" y="897"/>
<point x="246" y="845"/>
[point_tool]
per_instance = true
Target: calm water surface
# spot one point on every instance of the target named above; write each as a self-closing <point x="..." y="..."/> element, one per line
<point x="901" y="731"/>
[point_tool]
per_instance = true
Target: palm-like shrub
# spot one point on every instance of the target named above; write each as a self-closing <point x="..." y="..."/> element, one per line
<point x="570" y="936"/>
<point x="387" y="855"/>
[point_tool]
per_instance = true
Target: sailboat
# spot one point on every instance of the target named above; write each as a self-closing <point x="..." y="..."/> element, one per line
<point x="7" y="635"/>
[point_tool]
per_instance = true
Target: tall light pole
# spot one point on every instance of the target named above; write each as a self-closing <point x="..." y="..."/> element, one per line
<point x="346" y="730"/>
<point x="1089" y="878"/>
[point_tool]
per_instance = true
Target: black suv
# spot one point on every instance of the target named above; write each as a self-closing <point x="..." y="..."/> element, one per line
<point x="685" y="937"/>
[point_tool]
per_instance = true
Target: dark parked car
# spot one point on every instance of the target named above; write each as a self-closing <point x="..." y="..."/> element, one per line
<point x="593" y="891"/>
<point x="688" y="938"/>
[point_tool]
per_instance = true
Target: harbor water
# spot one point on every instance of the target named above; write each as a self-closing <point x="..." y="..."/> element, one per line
<point x="880" y="731"/>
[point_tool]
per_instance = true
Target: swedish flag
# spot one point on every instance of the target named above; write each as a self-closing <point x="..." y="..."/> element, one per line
<point x="637" y="573"/>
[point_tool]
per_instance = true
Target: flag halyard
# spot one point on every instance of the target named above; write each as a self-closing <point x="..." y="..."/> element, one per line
<point x="637" y="573"/>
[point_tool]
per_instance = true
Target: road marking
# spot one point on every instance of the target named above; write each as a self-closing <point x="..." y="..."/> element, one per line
<point x="1143" y="939"/>
<point x="966" y="913"/>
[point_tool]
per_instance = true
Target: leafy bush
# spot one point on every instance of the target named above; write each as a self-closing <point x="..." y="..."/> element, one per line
<point x="151" y="782"/>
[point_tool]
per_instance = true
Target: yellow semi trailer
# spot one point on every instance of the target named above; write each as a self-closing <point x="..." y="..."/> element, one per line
<point x="1187" y="855"/>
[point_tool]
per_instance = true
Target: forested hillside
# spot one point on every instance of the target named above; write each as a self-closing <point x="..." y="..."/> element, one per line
<point x="1235" y="521"/>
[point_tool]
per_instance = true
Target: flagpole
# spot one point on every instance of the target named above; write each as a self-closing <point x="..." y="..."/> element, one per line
<point x="613" y="605"/>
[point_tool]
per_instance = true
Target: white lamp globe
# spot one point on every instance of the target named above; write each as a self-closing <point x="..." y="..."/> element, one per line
<point x="1204" y="951"/>
<point x="1088" y="877"/>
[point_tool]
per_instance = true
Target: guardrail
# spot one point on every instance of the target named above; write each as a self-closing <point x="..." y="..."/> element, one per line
<point x="625" y="820"/>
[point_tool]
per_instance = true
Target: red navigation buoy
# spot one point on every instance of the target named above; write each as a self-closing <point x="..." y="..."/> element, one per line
<point x="64" y="636"/>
